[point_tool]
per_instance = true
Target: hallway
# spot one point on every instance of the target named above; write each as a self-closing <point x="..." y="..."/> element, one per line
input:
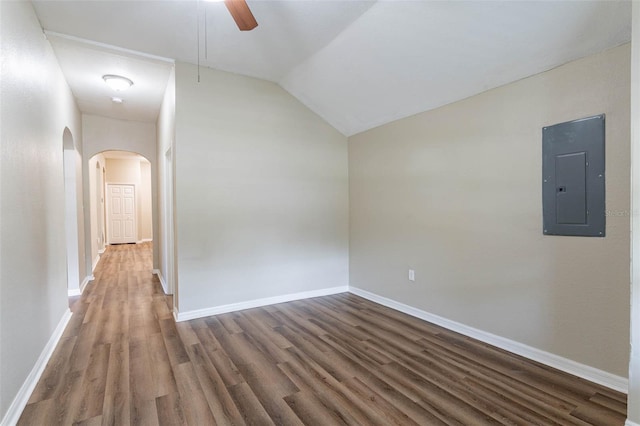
<point x="100" y="368"/>
<point x="330" y="360"/>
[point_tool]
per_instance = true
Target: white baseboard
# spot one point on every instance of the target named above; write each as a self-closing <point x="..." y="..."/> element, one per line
<point x="20" y="401"/>
<point x="216" y="310"/>
<point x="162" y="281"/>
<point x="95" y="262"/>
<point x="86" y="281"/>
<point x="595" y="375"/>
<point x="102" y="250"/>
<point x="78" y="291"/>
<point x="145" y="240"/>
<point x="630" y="423"/>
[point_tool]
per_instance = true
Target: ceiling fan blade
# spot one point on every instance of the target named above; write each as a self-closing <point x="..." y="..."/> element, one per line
<point x="241" y="14"/>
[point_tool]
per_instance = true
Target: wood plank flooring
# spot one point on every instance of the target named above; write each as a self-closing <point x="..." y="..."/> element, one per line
<point x="323" y="361"/>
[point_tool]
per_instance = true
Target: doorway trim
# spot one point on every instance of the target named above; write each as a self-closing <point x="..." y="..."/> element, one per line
<point x="168" y="249"/>
<point x="70" y="155"/>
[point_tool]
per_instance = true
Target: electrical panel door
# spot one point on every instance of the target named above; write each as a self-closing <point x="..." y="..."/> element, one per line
<point x="573" y="190"/>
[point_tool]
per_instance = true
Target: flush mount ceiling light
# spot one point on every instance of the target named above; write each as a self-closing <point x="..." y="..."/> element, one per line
<point x="116" y="100"/>
<point x="117" y="82"/>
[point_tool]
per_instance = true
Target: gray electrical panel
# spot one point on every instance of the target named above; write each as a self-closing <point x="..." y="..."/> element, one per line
<point x="573" y="191"/>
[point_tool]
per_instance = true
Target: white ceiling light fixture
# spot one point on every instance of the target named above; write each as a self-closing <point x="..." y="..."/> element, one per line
<point x="116" y="100"/>
<point x="117" y="82"/>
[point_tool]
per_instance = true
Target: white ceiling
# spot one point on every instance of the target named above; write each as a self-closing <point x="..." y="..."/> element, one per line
<point x="357" y="64"/>
<point x="84" y="64"/>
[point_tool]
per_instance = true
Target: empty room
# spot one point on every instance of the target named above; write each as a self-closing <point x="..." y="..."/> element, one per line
<point x="319" y="212"/>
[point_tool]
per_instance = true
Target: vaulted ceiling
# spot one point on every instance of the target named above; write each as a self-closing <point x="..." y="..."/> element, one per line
<point x="357" y="64"/>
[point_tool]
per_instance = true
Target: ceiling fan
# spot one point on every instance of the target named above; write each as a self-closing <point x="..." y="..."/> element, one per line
<point x="241" y="13"/>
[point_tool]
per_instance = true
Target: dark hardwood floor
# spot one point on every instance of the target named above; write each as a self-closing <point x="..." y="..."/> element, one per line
<point x="323" y="361"/>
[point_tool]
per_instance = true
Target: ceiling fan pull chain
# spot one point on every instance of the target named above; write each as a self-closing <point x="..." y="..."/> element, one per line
<point x="206" y="37"/>
<point x="198" y="29"/>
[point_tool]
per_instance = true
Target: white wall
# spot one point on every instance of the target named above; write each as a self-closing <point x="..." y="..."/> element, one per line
<point x="166" y="135"/>
<point x="108" y="134"/>
<point x="35" y="107"/>
<point x="261" y="187"/>
<point x="455" y="194"/>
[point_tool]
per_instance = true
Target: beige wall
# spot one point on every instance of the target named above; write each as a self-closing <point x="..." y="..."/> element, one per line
<point x="123" y="170"/>
<point x="35" y="107"/>
<point x="455" y="193"/>
<point x="261" y="187"/>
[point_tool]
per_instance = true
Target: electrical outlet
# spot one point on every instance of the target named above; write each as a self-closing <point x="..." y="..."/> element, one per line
<point x="412" y="275"/>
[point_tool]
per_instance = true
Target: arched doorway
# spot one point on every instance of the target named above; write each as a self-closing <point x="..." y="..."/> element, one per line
<point x="72" y="211"/>
<point x="119" y="182"/>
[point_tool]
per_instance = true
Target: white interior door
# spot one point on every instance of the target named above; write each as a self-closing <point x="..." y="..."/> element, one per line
<point x="121" y="214"/>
